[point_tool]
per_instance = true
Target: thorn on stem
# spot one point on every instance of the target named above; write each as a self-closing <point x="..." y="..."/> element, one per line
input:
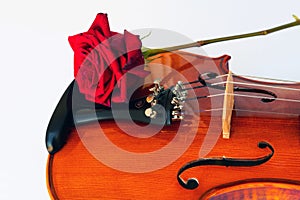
<point x="150" y="32"/>
<point x="296" y="18"/>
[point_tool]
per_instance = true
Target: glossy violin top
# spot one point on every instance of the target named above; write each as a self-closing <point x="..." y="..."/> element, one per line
<point x="169" y="136"/>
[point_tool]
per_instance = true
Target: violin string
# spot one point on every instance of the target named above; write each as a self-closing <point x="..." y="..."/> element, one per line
<point x="242" y="95"/>
<point x="195" y="87"/>
<point x="259" y="78"/>
<point x="247" y="96"/>
<point x="247" y="84"/>
<point x="259" y="97"/>
<point x="254" y="84"/>
<point x="265" y="78"/>
<point x="252" y="111"/>
<point x="268" y="112"/>
<point x="241" y="83"/>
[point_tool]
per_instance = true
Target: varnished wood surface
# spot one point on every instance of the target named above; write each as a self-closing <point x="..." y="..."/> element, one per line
<point x="76" y="174"/>
<point x="267" y="189"/>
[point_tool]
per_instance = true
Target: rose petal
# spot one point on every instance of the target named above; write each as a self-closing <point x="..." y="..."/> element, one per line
<point x="133" y="50"/>
<point x="102" y="57"/>
<point x="101" y="25"/>
<point x="132" y="41"/>
<point x="82" y="44"/>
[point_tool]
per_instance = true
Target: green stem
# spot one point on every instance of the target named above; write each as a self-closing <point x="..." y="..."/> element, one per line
<point x="151" y="52"/>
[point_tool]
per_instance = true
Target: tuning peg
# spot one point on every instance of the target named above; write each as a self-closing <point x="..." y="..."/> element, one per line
<point x="177" y="114"/>
<point x="177" y="117"/>
<point x="149" y="112"/>
<point x="178" y="107"/>
<point x="150" y="98"/>
<point x="174" y="101"/>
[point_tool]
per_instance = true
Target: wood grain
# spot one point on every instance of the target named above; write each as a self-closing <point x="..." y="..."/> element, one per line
<point x="76" y="173"/>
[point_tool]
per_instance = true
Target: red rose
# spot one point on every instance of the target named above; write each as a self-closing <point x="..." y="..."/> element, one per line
<point x="102" y="57"/>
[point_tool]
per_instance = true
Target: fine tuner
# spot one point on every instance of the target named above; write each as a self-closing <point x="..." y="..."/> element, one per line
<point x="176" y="96"/>
<point x="161" y="98"/>
<point x="172" y="100"/>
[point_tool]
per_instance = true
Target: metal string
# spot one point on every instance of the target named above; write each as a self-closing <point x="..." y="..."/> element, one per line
<point x="253" y="111"/>
<point x="243" y="95"/>
<point x="247" y="84"/>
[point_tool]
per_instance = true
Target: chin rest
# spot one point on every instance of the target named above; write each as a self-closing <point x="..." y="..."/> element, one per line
<point x="62" y="119"/>
<point x="73" y="109"/>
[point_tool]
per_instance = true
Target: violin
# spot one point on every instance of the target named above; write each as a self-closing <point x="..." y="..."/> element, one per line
<point x="200" y="132"/>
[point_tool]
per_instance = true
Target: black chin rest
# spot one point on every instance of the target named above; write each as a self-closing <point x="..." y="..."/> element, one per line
<point x="62" y="120"/>
<point x="73" y="109"/>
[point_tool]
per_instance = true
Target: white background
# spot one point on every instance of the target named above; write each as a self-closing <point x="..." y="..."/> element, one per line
<point x="37" y="61"/>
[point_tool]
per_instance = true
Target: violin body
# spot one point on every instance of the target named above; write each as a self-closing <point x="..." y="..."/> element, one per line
<point x="80" y="171"/>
